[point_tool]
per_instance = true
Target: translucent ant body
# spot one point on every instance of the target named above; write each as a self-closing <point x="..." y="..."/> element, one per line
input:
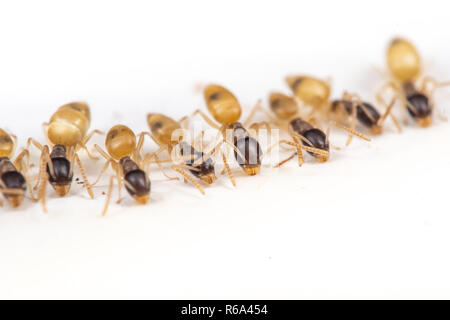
<point x="66" y="134"/>
<point x="169" y="135"/>
<point x="414" y="91"/>
<point x="305" y="135"/>
<point x="349" y="109"/>
<point x="13" y="183"/>
<point x="226" y="110"/>
<point x="124" y="157"/>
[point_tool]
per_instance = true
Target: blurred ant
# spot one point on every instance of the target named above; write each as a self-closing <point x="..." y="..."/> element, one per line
<point x="305" y="135"/>
<point x="350" y="108"/>
<point x="14" y="179"/>
<point x="163" y="131"/>
<point x="414" y="91"/>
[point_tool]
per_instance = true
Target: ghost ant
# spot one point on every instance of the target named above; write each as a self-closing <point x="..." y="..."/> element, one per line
<point x="350" y="108"/>
<point x="414" y="93"/>
<point x="305" y="135"/>
<point x="14" y="180"/>
<point x="66" y="134"/>
<point x="124" y="158"/>
<point x="169" y="135"/>
<point x="226" y="110"/>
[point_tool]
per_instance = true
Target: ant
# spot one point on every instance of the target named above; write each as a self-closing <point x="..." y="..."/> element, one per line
<point x="13" y="183"/>
<point x="316" y="93"/>
<point x="167" y="133"/>
<point x="226" y="110"/>
<point x="66" y="134"/>
<point x="414" y="91"/>
<point x="124" y="157"/>
<point x="304" y="133"/>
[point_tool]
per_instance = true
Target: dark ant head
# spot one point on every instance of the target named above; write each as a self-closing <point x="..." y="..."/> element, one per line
<point x="369" y="116"/>
<point x="14" y="180"/>
<point x="138" y="185"/>
<point x="420" y="109"/>
<point x="203" y="170"/>
<point x="251" y="150"/>
<point x="318" y="140"/>
<point x="62" y="175"/>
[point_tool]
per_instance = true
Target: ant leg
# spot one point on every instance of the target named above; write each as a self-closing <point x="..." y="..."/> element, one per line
<point x="285" y="160"/>
<point x="35" y="143"/>
<point x="137" y="150"/>
<point x="353" y="132"/>
<point x="141" y="143"/>
<point x="109" y="160"/>
<point x="89" y="154"/>
<point x="252" y="113"/>
<point x="352" y="124"/>
<point x="158" y="163"/>
<point x="301" y="146"/>
<point x="108" y="197"/>
<point x="14" y="137"/>
<point x="299" y="151"/>
<point x="119" y="174"/>
<point x="341" y="114"/>
<point x="198" y="141"/>
<point x="379" y="96"/>
<point x="227" y="167"/>
<point x="102" y="152"/>
<point x="235" y="149"/>
<point x="257" y="125"/>
<point x="426" y="81"/>
<point x="206" y="118"/>
<point x="430" y="92"/>
<point x="296" y="145"/>
<point x="214" y="150"/>
<point x="89" y="136"/>
<point x="128" y="185"/>
<point x="179" y="169"/>
<point x="42" y="193"/>
<point x="85" y="140"/>
<point x="183" y="121"/>
<point x="105" y="167"/>
<point x="148" y="160"/>
<point x="439" y="113"/>
<point x="18" y="163"/>
<point x="83" y="175"/>
<point x="257" y="107"/>
<point x="43" y="162"/>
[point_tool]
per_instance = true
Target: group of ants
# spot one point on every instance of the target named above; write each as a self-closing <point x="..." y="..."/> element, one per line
<point x="67" y="133"/>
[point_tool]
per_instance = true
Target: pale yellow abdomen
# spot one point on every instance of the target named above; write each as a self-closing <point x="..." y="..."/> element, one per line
<point x="69" y="124"/>
<point x="403" y="60"/>
<point x="309" y="90"/>
<point x="6" y="144"/>
<point x="222" y="104"/>
<point x="164" y="129"/>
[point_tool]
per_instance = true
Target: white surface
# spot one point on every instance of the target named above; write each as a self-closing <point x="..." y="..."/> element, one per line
<point x="373" y="222"/>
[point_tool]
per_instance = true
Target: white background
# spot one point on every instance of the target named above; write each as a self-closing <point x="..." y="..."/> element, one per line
<point x="373" y="222"/>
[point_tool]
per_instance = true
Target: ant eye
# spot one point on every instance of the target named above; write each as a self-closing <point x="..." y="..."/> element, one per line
<point x="157" y="125"/>
<point x="215" y="96"/>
